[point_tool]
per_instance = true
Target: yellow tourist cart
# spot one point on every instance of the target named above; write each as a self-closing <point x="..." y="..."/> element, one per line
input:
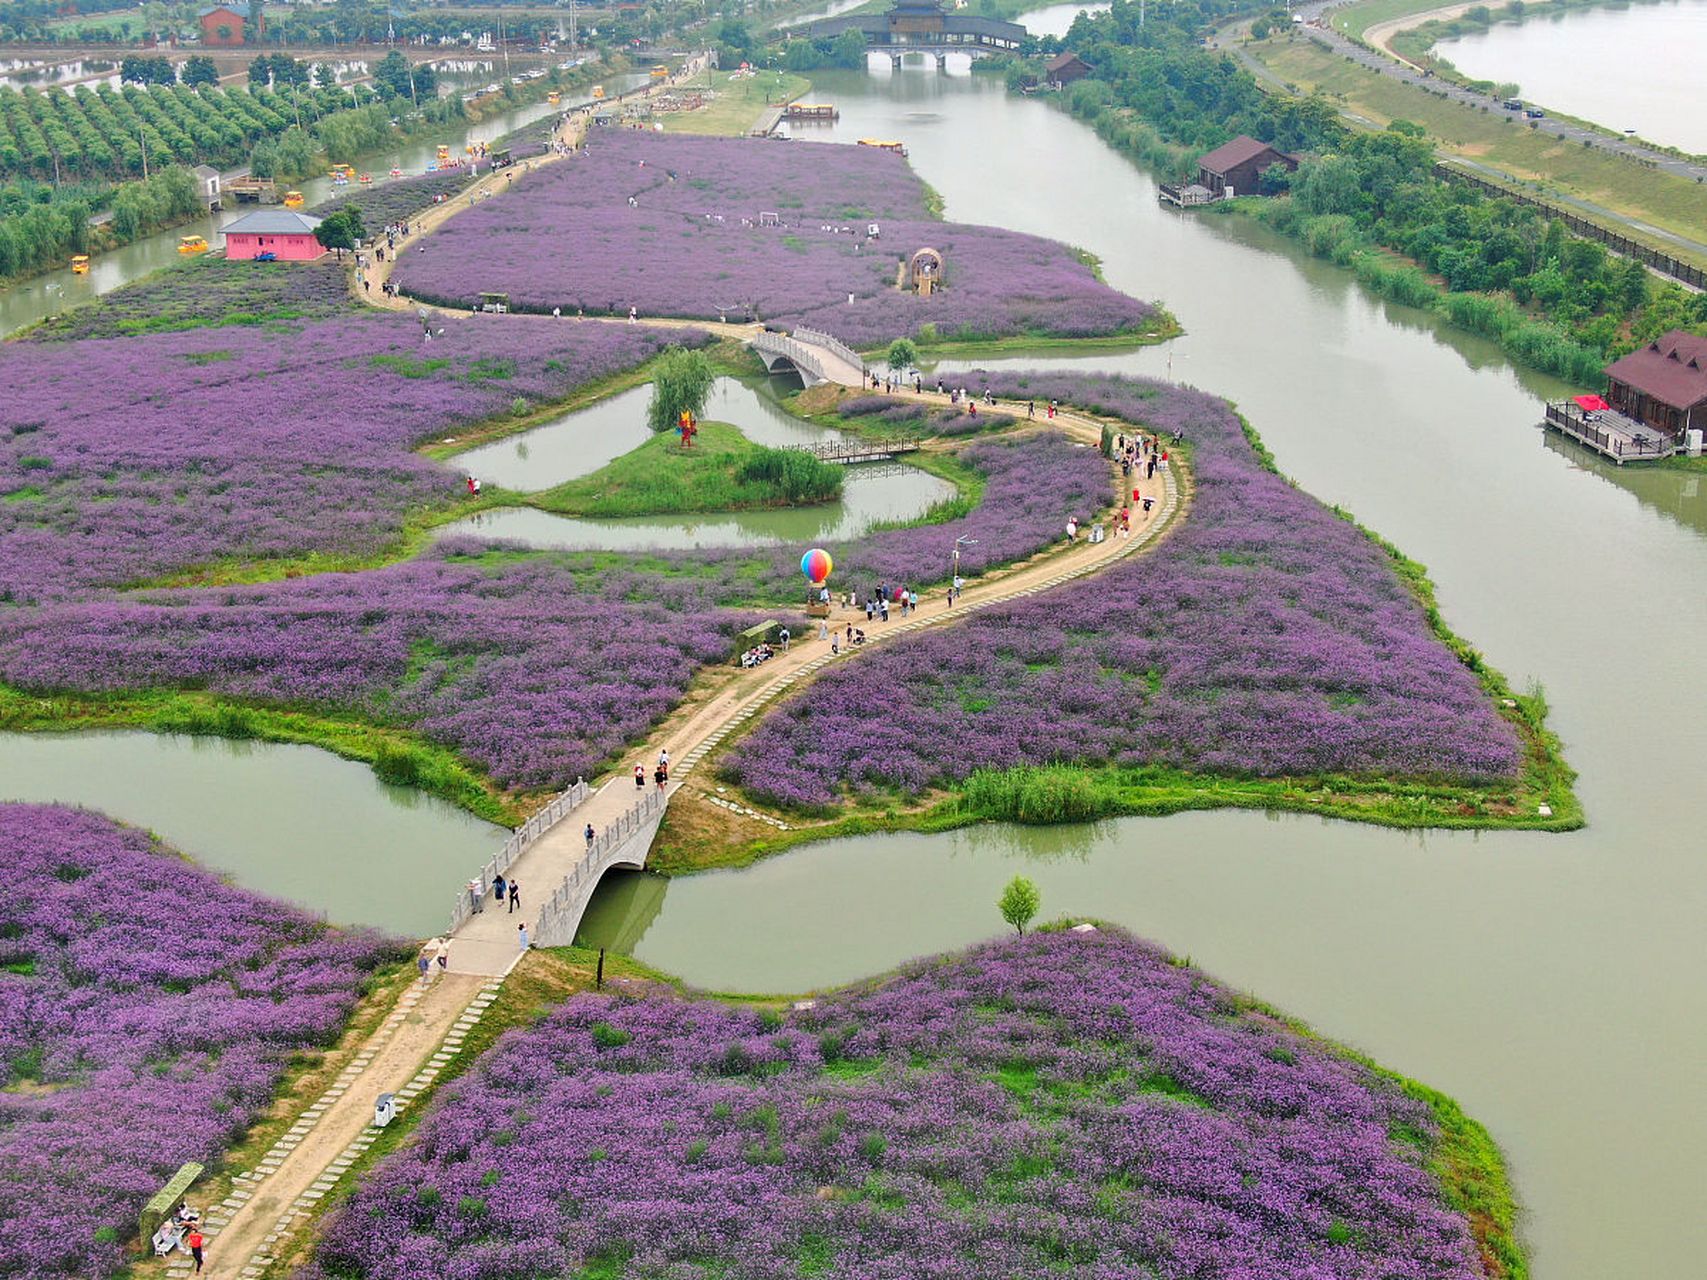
<point x="293" y="200"/>
<point x="80" y="264"/>
<point x="192" y="244"/>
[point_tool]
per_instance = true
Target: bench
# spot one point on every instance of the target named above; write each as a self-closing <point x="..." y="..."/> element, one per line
<point x="166" y="1200"/>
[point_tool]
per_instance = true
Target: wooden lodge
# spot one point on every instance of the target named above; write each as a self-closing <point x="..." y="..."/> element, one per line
<point x="1663" y="385"/>
<point x="1655" y="403"/>
<point x="1064" y="69"/>
<point x="226" y="26"/>
<point x="1233" y="169"/>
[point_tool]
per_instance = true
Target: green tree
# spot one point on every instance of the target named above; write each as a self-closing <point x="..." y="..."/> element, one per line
<point x="395" y="77"/>
<point x="199" y="70"/>
<point x="261" y="71"/>
<point x="1019" y="902"/>
<point x="903" y="355"/>
<point x="325" y="77"/>
<point x="681" y="384"/>
<point x="340" y="230"/>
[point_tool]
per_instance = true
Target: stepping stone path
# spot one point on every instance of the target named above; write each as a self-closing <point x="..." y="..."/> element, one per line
<point x="295" y="1215"/>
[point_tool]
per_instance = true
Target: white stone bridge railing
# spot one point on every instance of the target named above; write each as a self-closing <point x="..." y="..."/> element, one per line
<point x="624" y="843"/>
<point x="519" y="840"/>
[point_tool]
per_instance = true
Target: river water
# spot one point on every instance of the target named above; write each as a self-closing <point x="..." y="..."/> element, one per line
<point x="1634" y="67"/>
<point x="581" y="442"/>
<point x="1556" y="985"/>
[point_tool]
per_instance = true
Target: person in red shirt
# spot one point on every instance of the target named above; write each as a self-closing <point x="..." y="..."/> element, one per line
<point x="194" y="1240"/>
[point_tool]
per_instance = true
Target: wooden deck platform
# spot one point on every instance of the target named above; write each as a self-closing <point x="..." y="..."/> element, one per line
<point x="1609" y="433"/>
<point x="856" y="451"/>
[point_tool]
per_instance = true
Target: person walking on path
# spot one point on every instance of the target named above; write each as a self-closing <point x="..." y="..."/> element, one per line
<point x="515" y="895"/>
<point x="522" y="936"/>
<point x="660" y="777"/>
<point x="498" y="887"/>
<point x="444" y="956"/>
<point x="195" y="1240"/>
<point x="785" y="639"/>
<point x="640" y="777"/>
<point x="589" y="837"/>
<point x="423" y="965"/>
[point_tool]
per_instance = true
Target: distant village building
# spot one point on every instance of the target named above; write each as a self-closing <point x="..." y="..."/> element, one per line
<point x="284" y="233"/>
<point x="1235" y="167"/>
<point x="207" y="180"/>
<point x="1663" y="384"/>
<point x="1064" y="68"/>
<point x="923" y="26"/>
<point x="225" y="26"/>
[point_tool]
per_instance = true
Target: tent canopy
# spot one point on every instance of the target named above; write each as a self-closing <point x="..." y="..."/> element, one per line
<point x="1591" y="404"/>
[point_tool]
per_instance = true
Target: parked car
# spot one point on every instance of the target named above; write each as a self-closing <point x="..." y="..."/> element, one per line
<point x="1514" y="104"/>
<point x="1534" y="113"/>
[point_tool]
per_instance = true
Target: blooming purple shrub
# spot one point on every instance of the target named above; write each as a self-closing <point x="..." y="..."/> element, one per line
<point x="1265" y="636"/>
<point x="1061" y="1103"/>
<point x="387" y="203"/>
<point x="534" y="673"/>
<point x="206" y="292"/>
<point x="146" y="1012"/>
<point x="742" y="228"/>
<point x="126" y="459"/>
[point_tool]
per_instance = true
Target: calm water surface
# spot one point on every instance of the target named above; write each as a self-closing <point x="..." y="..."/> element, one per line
<point x="581" y="442"/>
<point x="1057" y="18"/>
<point x="1632" y="67"/>
<point x="291" y="821"/>
<point x="1557" y="985"/>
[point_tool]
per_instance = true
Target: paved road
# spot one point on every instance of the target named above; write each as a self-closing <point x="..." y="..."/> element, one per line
<point x="1314" y="15"/>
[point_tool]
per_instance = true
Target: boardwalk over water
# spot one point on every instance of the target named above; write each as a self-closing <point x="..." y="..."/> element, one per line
<point x="853" y="451"/>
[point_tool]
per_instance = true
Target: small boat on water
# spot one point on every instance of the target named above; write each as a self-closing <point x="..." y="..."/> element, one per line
<point x="396" y="172"/>
<point x="899" y="148"/>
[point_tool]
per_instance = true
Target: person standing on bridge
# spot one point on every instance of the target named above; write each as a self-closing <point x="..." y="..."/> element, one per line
<point x="590" y="837"/>
<point x="515" y="895"/>
<point x="498" y="887"/>
<point x="640" y="777"/>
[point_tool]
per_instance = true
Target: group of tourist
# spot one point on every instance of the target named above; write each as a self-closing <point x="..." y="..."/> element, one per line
<point x="660" y="778"/>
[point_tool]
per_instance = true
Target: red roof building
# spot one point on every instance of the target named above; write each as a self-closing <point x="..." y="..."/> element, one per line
<point x="225" y="26"/>
<point x="1663" y="384"/>
<point x="284" y="234"/>
<point x="1235" y="167"/>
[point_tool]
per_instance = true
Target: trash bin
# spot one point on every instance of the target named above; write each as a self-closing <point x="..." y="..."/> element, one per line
<point x="476" y="896"/>
<point x="384" y="1110"/>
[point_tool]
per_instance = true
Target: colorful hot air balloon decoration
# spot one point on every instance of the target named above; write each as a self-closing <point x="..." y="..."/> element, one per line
<point x="816" y="565"/>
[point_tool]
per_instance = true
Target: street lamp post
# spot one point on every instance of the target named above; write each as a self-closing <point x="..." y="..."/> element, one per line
<point x="962" y="541"/>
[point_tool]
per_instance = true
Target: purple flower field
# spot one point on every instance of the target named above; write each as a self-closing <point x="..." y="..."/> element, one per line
<point x="131" y="458"/>
<point x="692" y="245"/>
<point x="146" y="1012"/>
<point x="534" y="674"/>
<point x="536" y="669"/>
<point x="1264" y="637"/>
<point x="1064" y="1103"/>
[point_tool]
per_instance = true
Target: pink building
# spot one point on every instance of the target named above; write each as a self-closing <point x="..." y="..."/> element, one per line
<point x="283" y="233"/>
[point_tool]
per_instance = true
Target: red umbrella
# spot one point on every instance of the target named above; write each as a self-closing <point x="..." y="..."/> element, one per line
<point x="1590" y="404"/>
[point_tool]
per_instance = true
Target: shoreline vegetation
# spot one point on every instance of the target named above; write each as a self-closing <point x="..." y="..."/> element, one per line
<point x="1370" y="198"/>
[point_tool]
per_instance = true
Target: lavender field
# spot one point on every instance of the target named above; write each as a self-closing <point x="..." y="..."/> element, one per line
<point x="127" y="459"/>
<point x="692" y="245"/>
<point x="1063" y="1103"/>
<point x="1264" y="637"/>
<point x="147" y="1010"/>
<point x="531" y="672"/>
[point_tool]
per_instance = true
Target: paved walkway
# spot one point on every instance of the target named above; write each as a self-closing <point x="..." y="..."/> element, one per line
<point x="487" y="942"/>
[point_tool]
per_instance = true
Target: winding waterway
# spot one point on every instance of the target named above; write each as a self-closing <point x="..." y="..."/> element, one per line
<point x="1635" y="67"/>
<point x="1556" y="985"/>
<point x="291" y="821"/>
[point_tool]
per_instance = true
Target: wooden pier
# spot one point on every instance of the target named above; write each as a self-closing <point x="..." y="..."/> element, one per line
<point x="855" y="451"/>
<point x="1609" y="433"/>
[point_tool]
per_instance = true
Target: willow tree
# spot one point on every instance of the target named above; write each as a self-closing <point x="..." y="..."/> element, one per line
<point x="681" y="383"/>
